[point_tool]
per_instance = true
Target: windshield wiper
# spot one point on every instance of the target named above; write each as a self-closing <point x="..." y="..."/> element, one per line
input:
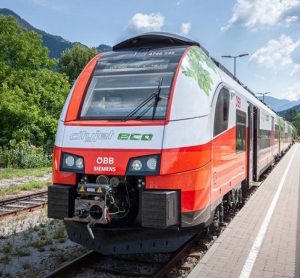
<point x="144" y="102"/>
<point x="157" y="97"/>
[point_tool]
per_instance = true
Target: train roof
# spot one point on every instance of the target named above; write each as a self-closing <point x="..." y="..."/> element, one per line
<point x="160" y="39"/>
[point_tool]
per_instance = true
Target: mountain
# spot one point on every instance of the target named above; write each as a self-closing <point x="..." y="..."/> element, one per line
<point x="55" y="44"/>
<point x="283" y="112"/>
<point x="103" y="48"/>
<point x="280" y="104"/>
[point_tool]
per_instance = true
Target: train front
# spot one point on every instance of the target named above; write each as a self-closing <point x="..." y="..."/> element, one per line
<point x="108" y="151"/>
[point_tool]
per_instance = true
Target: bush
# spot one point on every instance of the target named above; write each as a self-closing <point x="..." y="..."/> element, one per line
<point x="23" y="155"/>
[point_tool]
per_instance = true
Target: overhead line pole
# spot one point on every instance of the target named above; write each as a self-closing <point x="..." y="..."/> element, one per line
<point x="234" y="59"/>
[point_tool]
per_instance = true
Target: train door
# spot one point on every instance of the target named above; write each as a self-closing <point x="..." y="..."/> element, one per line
<point x="279" y="136"/>
<point x="272" y="139"/>
<point x="253" y="144"/>
<point x="222" y="143"/>
<point x="255" y="164"/>
<point x="250" y="144"/>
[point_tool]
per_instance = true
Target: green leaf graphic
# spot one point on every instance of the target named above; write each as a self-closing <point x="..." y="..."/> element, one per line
<point x="197" y="58"/>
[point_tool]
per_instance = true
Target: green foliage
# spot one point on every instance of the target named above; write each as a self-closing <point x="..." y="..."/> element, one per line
<point x="16" y="189"/>
<point x="293" y="116"/>
<point x="21" y="48"/>
<point x="74" y="59"/>
<point x="22" y="155"/>
<point x="4" y="260"/>
<point x="7" y="248"/>
<point x="20" y="252"/>
<point x="296" y="123"/>
<point x="59" y="233"/>
<point x="8" y="173"/>
<point x="197" y="60"/>
<point x="290" y="115"/>
<point x="31" y="94"/>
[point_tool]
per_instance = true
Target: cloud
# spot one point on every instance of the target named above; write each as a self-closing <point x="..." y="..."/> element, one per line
<point x="296" y="70"/>
<point x="296" y="55"/>
<point x="261" y="77"/>
<point x="292" y="92"/>
<point x="296" y="59"/>
<point x="290" y="20"/>
<point x="186" y="28"/>
<point x="141" y="23"/>
<point x="257" y="14"/>
<point x="278" y="53"/>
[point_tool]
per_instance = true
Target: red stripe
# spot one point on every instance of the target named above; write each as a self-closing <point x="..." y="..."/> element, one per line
<point x="116" y="123"/>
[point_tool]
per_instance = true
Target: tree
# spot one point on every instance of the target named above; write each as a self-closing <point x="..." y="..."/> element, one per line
<point x="290" y="115"/>
<point x="74" y="59"/>
<point x="297" y="123"/>
<point x="31" y="93"/>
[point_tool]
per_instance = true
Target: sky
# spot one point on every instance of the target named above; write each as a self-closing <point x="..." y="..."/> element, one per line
<point x="268" y="30"/>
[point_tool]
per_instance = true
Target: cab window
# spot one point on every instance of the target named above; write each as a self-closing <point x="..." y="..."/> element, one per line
<point x="221" y="112"/>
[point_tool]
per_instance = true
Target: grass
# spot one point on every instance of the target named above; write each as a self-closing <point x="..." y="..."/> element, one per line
<point x="42" y="232"/>
<point x="8" y="173"/>
<point x="27" y="235"/>
<point x="22" y="253"/>
<point x="4" y="260"/>
<point x="7" y="248"/>
<point x="40" y="244"/>
<point x="28" y="186"/>
<point x="59" y="234"/>
<point x="37" y="244"/>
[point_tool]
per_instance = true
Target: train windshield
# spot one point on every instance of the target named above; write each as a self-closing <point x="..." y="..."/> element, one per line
<point x="123" y="80"/>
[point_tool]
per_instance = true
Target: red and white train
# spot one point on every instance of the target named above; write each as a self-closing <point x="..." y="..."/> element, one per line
<point x="155" y="138"/>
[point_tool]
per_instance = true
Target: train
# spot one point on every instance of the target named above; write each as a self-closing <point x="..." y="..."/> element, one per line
<point x="156" y="141"/>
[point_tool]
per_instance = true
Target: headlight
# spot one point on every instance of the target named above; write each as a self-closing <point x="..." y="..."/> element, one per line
<point x="71" y="163"/>
<point x="79" y="163"/>
<point x="69" y="160"/>
<point x="151" y="163"/>
<point x="136" y="165"/>
<point x="144" y="165"/>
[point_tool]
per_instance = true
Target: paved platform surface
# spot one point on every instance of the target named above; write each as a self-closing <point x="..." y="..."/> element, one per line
<point x="263" y="240"/>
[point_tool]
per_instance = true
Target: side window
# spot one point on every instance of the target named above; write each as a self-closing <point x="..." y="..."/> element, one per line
<point x="222" y="112"/>
<point x="264" y="140"/>
<point x="240" y="131"/>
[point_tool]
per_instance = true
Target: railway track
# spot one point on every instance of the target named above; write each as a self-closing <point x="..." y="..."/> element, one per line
<point x="28" y="202"/>
<point x="93" y="264"/>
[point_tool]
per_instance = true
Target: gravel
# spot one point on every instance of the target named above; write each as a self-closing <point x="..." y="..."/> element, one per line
<point x="31" y="245"/>
<point x="21" y="180"/>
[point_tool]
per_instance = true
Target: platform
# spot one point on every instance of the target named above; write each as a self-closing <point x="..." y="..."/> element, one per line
<point x="263" y="240"/>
